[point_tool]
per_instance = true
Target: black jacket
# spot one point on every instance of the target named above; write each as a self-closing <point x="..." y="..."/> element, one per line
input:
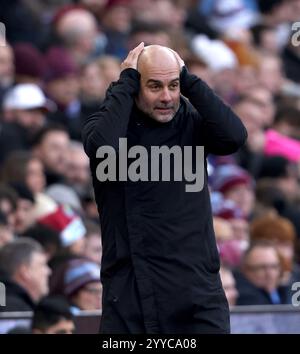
<point x="249" y="294"/>
<point x="17" y="298"/>
<point x="160" y="265"/>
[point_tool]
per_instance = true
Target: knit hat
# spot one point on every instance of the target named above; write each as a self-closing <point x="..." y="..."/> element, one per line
<point x="79" y="273"/>
<point x="60" y="64"/>
<point x="113" y="3"/>
<point x="226" y="209"/>
<point x="65" y="221"/>
<point x="227" y="176"/>
<point x="29" y="61"/>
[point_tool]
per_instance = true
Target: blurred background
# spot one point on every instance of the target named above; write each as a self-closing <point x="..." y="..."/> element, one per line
<point x="58" y="60"/>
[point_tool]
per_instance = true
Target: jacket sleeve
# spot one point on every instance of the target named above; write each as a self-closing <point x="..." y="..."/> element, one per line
<point x="223" y="132"/>
<point x="106" y="126"/>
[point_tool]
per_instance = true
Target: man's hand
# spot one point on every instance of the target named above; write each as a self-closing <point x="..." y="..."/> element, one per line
<point x="132" y="58"/>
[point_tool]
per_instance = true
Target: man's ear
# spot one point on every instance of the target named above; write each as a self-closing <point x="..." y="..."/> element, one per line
<point x="23" y="272"/>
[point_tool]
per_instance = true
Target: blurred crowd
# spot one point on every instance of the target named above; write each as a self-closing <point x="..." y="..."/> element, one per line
<point x="60" y="57"/>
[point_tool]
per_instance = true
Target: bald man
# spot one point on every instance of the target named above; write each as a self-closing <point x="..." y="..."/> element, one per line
<point x="160" y="264"/>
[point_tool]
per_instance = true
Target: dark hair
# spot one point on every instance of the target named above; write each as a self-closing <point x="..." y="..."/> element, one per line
<point x="15" y="166"/>
<point x="45" y="236"/>
<point x="257" y="31"/>
<point x="91" y="227"/>
<point x="289" y="115"/>
<point x="49" y="311"/>
<point x="48" y="128"/>
<point x="8" y="193"/>
<point x="268" y="6"/>
<point x="23" y="191"/>
<point x="17" y="253"/>
<point x="3" y="219"/>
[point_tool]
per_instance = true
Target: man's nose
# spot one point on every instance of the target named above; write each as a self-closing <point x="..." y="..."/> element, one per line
<point x="165" y="95"/>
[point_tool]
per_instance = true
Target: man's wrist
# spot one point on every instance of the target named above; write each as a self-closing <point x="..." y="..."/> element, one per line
<point x="185" y="81"/>
<point x="132" y="77"/>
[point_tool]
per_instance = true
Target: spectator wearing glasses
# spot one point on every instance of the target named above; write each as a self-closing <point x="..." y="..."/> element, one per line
<point x="258" y="282"/>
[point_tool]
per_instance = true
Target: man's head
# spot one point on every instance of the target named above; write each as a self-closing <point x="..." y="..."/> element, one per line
<point x="26" y="105"/>
<point x="77" y="172"/>
<point x="24" y="262"/>
<point x="53" y="316"/>
<point x="51" y="145"/>
<point x="159" y="94"/>
<point x="24" y="217"/>
<point x="82" y="285"/>
<point x="261" y="266"/>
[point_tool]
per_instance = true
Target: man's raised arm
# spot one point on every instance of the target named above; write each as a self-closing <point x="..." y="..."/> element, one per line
<point x="106" y="126"/>
<point x="223" y="131"/>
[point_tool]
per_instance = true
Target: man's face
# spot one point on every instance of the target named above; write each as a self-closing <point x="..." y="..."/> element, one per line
<point x="262" y="268"/>
<point x="38" y="274"/>
<point x="23" y="216"/>
<point x="64" y="90"/>
<point x="31" y="119"/>
<point x="53" y="151"/>
<point x="78" y="167"/>
<point x="89" y="297"/>
<point x="159" y="95"/>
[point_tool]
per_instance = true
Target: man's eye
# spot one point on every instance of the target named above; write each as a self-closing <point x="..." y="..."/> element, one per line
<point x="154" y="87"/>
<point x="174" y="86"/>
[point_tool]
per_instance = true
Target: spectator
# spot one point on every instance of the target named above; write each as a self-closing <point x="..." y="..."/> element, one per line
<point x="271" y="73"/>
<point x="287" y="122"/>
<point x="25" y="273"/>
<point x="48" y="238"/>
<point x="24" y="111"/>
<point x="77" y="29"/>
<point x="8" y="203"/>
<point x="281" y="233"/>
<point x="79" y="280"/>
<point x="116" y="21"/>
<point x="77" y="172"/>
<point x="93" y="244"/>
<point x="229" y="286"/>
<point x="82" y="285"/>
<point x="24" y="216"/>
<point x="23" y="167"/>
<point x="235" y="184"/>
<point x="70" y="227"/>
<point x="92" y="84"/>
<point x="258" y="282"/>
<point x="50" y="146"/>
<point x="52" y="315"/>
<point x="110" y="68"/>
<point x="30" y="64"/>
<point x="6" y="234"/>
